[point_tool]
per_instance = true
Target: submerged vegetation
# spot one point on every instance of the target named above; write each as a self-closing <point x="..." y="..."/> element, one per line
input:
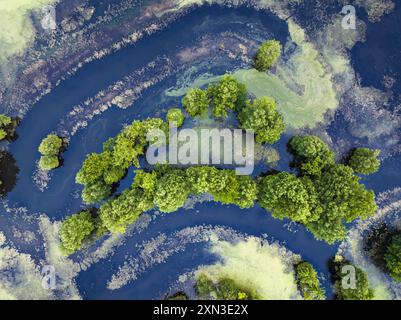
<point x="50" y="149"/>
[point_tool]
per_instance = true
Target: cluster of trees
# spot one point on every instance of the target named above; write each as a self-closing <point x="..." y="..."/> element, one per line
<point x="267" y="55"/>
<point x="308" y="283"/>
<point x="224" y="289"/>
<point x="101" y="171"/>
<point x="355" y="287"/>
<point x="50" y="149"/>
<point x="323" y="196"/>
<point x="228" y="95"/>
<point x="4" y="123"/>
<point x="166" y="189"/>
<point x="392" y="257"/>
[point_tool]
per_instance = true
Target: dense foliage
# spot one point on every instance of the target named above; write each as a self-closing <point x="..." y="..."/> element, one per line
<point x="308" y="283"/>
<point x="227" y="95"/>
<point x="176" y="116"/>
<point x="262" y="117"/>
<point x="223" y="289"/>
<point x="364" y="160"/>
<point x="287" y="196"/>
<point x="392" y="257"/>
<point x="267" y="55"/>
<point x="75" y="230"/>
<point x="196" y="102"/>
<point x="5" y="121"/>
<point x="324" y="197"/>
<point x="362" y="290"/>
<point x="100" y="172"/>
<point x="50" y="148"/>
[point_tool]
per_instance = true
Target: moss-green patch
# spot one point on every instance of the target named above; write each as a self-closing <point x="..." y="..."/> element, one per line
<point x="267" y="268"/>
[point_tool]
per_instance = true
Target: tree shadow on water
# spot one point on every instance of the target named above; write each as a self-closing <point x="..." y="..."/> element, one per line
<point x="8" y="172"/>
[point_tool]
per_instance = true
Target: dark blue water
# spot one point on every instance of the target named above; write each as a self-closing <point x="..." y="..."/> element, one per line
<point x="58" y="200"/>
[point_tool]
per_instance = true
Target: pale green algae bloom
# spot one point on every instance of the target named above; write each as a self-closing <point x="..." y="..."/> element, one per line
<point x="301" y="86"/>
<point x="256" y="264"/>
<point x="16" y="28"/>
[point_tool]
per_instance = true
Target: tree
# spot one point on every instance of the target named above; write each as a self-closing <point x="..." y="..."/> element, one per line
<point x="123" y="210"/>
<point x="392" y="257"/>
<point x="172" y="190"/>
<point x="312" y="155"/>
<point x="96" y="192"/>
<point x="364" y="160"/>
<point x="50" y="146"/>
<point x="175" y="115"/>
<point x="196" y="102"/>
<point x="50" y="149"/>
<point x="308" y="283"/>
<point x="262" y="117"/>
<point x="362" y="289"/>
<point x="48" y="162"/>
<point x="3" y="134"/>
<point x="4" y="123"/>
<point x="287" y="196"/>
<point x="228" y="94"/>
<point x="75" y="230"/>
<point x="267" y="55"/>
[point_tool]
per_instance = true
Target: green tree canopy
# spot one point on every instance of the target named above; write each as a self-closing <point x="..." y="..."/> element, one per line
<point x="311" y="154"/>
<point x="392" y="257"/>
<point x="262" y="117"/>
<point x="4" y="120"/>
<point x="100" y="171"/>
<point x="364" y="160"/>
<point x="175" y="115"/>
<point x="75" y="230"/>
<point x="308" y="283"/>
<point x="362" y="290"/>
<point x="172" y="190"/>
<point x="48" y="162"/>
<point x="196" y="102"/>
<point x="287" y="196"/>
<point x="228" y="94"/>
<point x="267" y="55"/>
<point x="224" y="289"/>
<point x="50" y="146"/>
<point x="342" y="197"/>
